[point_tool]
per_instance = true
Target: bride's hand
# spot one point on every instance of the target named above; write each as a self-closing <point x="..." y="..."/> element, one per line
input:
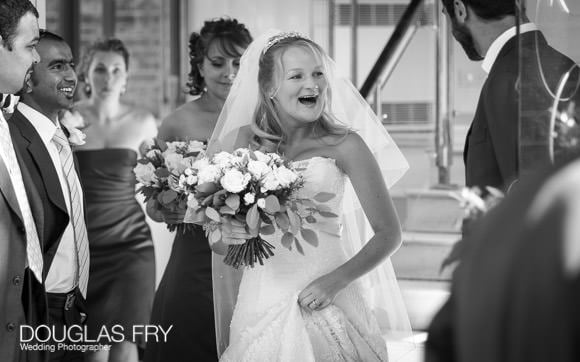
<point x="321" y="292"/>
<point x="234" y="231"/>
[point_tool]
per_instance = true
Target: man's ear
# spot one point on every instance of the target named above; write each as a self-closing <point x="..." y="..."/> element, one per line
<point x="460" y="11"/>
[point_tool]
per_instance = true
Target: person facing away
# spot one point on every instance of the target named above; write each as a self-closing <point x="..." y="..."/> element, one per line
<point x="486" y="29"/>
<point x="515" y="294"/>
<point x="122" y="257"/>
<point x="46" y="151"/>
<point x="22" y="298"/>
<point x="312" y="306"/>
<point x="184" y="298"/>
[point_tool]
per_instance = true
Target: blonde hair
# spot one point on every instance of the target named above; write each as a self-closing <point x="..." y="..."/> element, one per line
<point x="267" y="126"/>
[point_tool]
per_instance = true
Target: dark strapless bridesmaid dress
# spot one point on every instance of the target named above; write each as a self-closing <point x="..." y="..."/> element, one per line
<point x="184" y="300"/>
<point x="122" y="272"/>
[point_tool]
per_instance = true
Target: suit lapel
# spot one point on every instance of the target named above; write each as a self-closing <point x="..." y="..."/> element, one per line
<point x="41" y="157"/>
<point x="34" y="200"/>
<point x="7" y="189"/>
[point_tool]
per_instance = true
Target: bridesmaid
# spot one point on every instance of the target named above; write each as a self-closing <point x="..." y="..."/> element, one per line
<point x="122" y="272"/>
<point x="184" y="298"/>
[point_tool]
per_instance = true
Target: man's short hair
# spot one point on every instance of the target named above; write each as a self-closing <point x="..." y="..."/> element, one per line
<point x="11" y="11"/>
<point x="485" y="9"/>
<point x="48" y="35"/>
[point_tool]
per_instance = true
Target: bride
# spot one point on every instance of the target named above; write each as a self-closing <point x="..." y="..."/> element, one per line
<point x="338" y="300"/>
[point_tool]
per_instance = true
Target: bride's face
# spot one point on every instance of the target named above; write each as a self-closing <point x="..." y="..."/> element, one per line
<point x="301" y="91"/>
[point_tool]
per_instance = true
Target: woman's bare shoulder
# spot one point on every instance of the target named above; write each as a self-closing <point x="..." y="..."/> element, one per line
<point x="183" y="114"/>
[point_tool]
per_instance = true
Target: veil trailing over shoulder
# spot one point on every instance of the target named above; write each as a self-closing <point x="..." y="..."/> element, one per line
<point x="350" y="109"/>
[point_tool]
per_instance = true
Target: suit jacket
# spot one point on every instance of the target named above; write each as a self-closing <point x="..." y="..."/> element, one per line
<point x="495" y="152"/>
<point x="510" y="298"/>
<point x="22" y="298"/>
<point x="37" y="160"/>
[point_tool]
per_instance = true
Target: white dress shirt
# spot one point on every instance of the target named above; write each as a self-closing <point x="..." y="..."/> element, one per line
<point x="500" y="41"/>
<point x="61" y="275"/>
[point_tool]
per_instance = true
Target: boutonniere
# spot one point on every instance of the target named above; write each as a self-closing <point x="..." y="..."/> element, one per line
<point x="72" y="121"/>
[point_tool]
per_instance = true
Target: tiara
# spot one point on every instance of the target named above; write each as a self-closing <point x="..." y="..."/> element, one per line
<point x="279" y="37"/>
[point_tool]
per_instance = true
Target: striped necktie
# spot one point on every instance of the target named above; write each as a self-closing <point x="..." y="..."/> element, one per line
<point x="33" y="251"/>
<point x="81" y="241"/>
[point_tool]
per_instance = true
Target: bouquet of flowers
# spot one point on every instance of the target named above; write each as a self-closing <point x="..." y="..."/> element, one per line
<point x="259" y="190"/>
<point x="475" y="204"/>
<point x="166" y="178"/>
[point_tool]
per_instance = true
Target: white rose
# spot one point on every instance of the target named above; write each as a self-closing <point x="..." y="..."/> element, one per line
<point x="152" y="153"/>
<point x="174" y="163"/>
<point x="249" y="198"/>
<point x="201" y="163"/>
<point x="145" y="174"/>
<point x="76" y="136"/>
<point x="285" y="176"/>
<point x="210" y="173"/>
<point x="270" y="182"/>
<point x="258" y="169"/>
<point x="234" y="181"/>
<point x="191" y="180"/>
<point x="195" y="146"/>
<point x="241" y="152"/>
<point x="262" y="157"/>
<point x="223" y="159"/>
<point x="261" y="203"/>
<point x="173" y="146"/>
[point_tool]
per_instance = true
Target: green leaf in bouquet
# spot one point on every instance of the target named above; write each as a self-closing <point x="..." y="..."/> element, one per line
<point x="272" y="204"/>
<point x="299" y="246"/>
<point x="199" y="217"/>
<point x="327" y="214"/>
<point x="253" y="156"/>
<point x="212" y="214"/>
<point x="153" y="210"/>
<point x="161" y="144"/>
<point x="165" y="197"/>
<point x="267" y="229"/>
<point x="207" y="201"/>
<point x="324" y="196"/>
<point x="295" y="221"/>
<point x="215" y="236"/>
<point x="282" y="221"/>
<point x="233" y="201"/>
<point x="205" y="189"/>
<point x="253" y="218"/>
<point x="287" y="240"/>
<point x="219" y="198"/>
<point x="143" y="161"/>
<point x="323" y="208"/>
<point x="227" y="210"/>
<point x="162" y="172"/>
<point x="307" y="203"/>
<point x="265" y="218"/>
<point x="311" y="219"/>
<point x="309" y="236"/>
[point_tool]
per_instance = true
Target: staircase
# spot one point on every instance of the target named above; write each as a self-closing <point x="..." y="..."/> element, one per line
<point x="431" y="220"/>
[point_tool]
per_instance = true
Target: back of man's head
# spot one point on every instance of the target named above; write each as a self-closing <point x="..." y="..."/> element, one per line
<point x="485" y="9"/>
<point x="11" y="11"/>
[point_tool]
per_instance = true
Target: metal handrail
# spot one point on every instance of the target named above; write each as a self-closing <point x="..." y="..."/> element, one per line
<point x="393" y="50"/>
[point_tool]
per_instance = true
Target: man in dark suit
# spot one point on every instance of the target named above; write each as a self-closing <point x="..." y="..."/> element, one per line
<point x="516" y="291"/>
<point x="22" y="300"/>
<point x="39" y="135"/>
<point x="510" y="132"/>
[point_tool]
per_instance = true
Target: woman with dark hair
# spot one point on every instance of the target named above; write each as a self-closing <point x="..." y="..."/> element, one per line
<point x="184" y="299"/>
<point x="122" y="270"/>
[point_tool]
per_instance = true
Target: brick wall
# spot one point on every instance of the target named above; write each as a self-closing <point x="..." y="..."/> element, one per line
<point x="138" y="24"/>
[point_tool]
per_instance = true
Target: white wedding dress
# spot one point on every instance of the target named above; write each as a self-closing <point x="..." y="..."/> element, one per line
<point x="268" y="324"/>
